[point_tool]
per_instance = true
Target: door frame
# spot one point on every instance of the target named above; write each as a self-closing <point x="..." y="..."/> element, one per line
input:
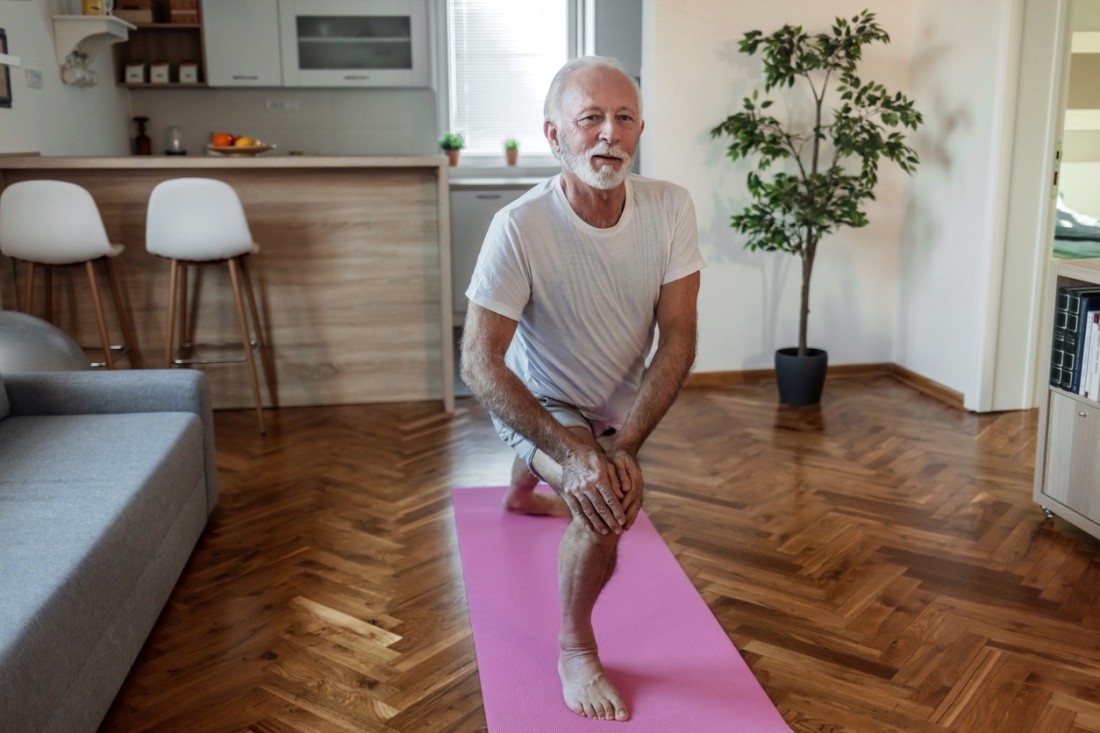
<point x="1018" y="263"/>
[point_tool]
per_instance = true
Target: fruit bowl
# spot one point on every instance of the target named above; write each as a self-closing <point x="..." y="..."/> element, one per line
<point x="239" y="151"/>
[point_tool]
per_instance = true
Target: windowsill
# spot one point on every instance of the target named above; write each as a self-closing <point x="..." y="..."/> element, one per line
<point x="485" y="170"/>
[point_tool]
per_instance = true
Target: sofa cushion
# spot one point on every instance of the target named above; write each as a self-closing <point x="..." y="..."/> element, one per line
<point x="85" y="500"/>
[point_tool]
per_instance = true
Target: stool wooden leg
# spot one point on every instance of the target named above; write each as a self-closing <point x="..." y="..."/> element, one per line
<point x="186" y="304"/>
<point x="246" y="340"/>
<point x="173" y="281"/>
<point x="28" y="289"/>
<point x="89" y="267"/>
<point x="128" y="335"/>
<point x="265" y="355"/>
<point x="47" y="277"/>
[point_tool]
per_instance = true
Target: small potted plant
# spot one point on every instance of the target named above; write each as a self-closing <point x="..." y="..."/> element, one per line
<point x="511" y="151"/>
<point x="452" y="143"/>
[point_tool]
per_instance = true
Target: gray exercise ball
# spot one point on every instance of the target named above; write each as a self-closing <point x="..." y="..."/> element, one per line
<point x="29" y="344"/>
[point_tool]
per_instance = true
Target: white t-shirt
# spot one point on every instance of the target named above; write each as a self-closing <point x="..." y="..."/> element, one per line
<point x="585" y="298"/>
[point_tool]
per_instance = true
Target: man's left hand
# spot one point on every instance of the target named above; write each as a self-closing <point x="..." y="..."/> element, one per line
<point x="630" y="481"/>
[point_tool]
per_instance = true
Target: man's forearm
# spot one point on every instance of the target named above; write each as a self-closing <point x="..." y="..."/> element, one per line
<point x="660" y="386"/>
<point x="503" y="394"/>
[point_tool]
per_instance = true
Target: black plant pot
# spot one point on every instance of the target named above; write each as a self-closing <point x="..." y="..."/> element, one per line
<point x="800" y="378"/>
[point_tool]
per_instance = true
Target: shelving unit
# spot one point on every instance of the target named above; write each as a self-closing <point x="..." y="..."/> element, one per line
<point x="171" y="42"/>
<point x="1067" y="461"/>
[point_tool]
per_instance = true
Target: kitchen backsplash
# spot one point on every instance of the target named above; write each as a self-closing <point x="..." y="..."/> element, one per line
<point x="309" y="121"/>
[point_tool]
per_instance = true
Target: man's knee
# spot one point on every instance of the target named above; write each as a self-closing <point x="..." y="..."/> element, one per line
<point x="589" y="536"/>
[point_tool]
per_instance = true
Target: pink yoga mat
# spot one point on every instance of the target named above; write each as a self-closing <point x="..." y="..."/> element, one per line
<point x="662" y="648"/>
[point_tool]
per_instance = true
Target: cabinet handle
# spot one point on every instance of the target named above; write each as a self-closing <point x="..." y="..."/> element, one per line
<point x="1082" y="414"/>
<point x="246" y="78"/>
<point x="488" y="196"/>
<point x="357" y="77"/>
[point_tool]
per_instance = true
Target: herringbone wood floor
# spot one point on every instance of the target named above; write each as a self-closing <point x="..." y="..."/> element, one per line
<point x="878" y="561"/>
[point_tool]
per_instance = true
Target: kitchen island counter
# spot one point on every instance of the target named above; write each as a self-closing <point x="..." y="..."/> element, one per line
<point x="352" y="275"/>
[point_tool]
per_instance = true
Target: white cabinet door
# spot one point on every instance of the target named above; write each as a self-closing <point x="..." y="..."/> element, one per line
<point x="1073" y="455"/>
<point x="355" y="43"/>
<point x="242" y="43"/>
<point x="471" y="213"/>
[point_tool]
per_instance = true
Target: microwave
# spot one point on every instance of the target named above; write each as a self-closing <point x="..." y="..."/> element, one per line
<point x="355" y="43"/>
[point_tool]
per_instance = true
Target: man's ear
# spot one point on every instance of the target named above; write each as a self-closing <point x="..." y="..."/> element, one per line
<point x="550" y="130"/>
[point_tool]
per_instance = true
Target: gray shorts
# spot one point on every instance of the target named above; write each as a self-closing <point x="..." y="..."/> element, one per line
<point x="564" y="413"/>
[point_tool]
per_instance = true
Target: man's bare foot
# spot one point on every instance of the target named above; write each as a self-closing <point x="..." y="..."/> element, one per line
<point x="587" y="690"/>
<point x="530" y="502"/>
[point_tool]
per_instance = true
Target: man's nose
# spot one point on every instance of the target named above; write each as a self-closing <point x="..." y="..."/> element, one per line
<point x="609" y="131"/>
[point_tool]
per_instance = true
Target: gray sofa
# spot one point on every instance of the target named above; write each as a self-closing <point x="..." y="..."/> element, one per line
<point x="106" y="482"/>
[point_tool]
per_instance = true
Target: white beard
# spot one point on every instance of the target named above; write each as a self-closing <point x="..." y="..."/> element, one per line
<point x="606" y="177"/>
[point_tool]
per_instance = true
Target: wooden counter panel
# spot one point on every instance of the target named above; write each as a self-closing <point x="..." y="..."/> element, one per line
<point x="348" y="279"/>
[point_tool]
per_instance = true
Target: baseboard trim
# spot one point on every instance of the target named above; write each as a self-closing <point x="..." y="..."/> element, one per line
<point x="929" y="387"/>
<point x="842" y="371"/>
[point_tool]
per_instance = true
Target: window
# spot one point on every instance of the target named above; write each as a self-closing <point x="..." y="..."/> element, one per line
<point x="503" y="55"/>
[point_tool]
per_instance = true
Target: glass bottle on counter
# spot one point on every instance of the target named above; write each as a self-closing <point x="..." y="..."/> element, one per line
<point x="142" y="144"/>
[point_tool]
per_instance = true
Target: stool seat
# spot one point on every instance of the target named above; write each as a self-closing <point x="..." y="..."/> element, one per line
<point x="52" y="223"/>
<point x="197" y="219"/>
<point x="56" y="223"/>
<point x="200" y="221"/>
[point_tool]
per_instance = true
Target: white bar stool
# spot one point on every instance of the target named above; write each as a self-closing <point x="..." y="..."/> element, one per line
<point x="56" y="223"/>
<point x="200" y="221"/>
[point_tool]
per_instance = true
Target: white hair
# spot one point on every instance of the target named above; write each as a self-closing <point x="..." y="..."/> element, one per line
<point x="551" y="109"/>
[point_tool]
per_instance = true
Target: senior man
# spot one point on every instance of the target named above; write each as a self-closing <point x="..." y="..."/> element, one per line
<point x="571" y="283"/>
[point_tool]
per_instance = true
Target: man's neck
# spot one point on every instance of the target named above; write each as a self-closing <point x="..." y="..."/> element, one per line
<point x="596" y="207"/>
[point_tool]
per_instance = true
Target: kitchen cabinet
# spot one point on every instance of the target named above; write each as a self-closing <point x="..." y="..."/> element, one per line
<point x="472" y="208"/>
<point x="1067" y="462"/>
<point x="354" y="43"/>
<point x="242" y="43"/>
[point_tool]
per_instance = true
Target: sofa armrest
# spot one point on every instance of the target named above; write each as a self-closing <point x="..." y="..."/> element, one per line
<point x="117" y="392"/>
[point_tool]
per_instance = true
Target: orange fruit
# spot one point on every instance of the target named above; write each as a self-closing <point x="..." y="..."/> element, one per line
<point x="221" y="139"/>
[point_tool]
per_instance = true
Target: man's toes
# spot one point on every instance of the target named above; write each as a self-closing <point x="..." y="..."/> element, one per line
<point x="622" y="714"/>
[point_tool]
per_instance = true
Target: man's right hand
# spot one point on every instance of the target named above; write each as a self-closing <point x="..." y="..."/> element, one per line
<point x="590" y="486"/>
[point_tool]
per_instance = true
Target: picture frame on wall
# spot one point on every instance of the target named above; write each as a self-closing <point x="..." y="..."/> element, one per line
<point x="5" y="74"/>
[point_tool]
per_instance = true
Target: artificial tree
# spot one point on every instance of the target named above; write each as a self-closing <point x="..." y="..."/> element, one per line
<point x="834" y="160"/>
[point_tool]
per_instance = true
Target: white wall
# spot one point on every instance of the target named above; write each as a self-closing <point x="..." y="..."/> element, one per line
<point x="693" y="77"/>
<point x="1080" y="187"/>
<point x="905" y="289"/>
<point x="58" y="119"/>
<point x="949" y="250"/>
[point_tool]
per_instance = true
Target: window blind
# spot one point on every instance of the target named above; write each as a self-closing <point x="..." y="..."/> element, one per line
<point x="503" y="54"/>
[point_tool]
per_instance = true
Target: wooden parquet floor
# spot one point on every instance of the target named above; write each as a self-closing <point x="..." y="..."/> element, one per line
<point x="878" y="561"/>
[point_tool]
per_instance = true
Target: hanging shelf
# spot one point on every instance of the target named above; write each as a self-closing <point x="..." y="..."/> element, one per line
<point x="87" y="34"/>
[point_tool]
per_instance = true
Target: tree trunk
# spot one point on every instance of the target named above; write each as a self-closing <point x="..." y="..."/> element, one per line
<point x="808" y="252"/>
